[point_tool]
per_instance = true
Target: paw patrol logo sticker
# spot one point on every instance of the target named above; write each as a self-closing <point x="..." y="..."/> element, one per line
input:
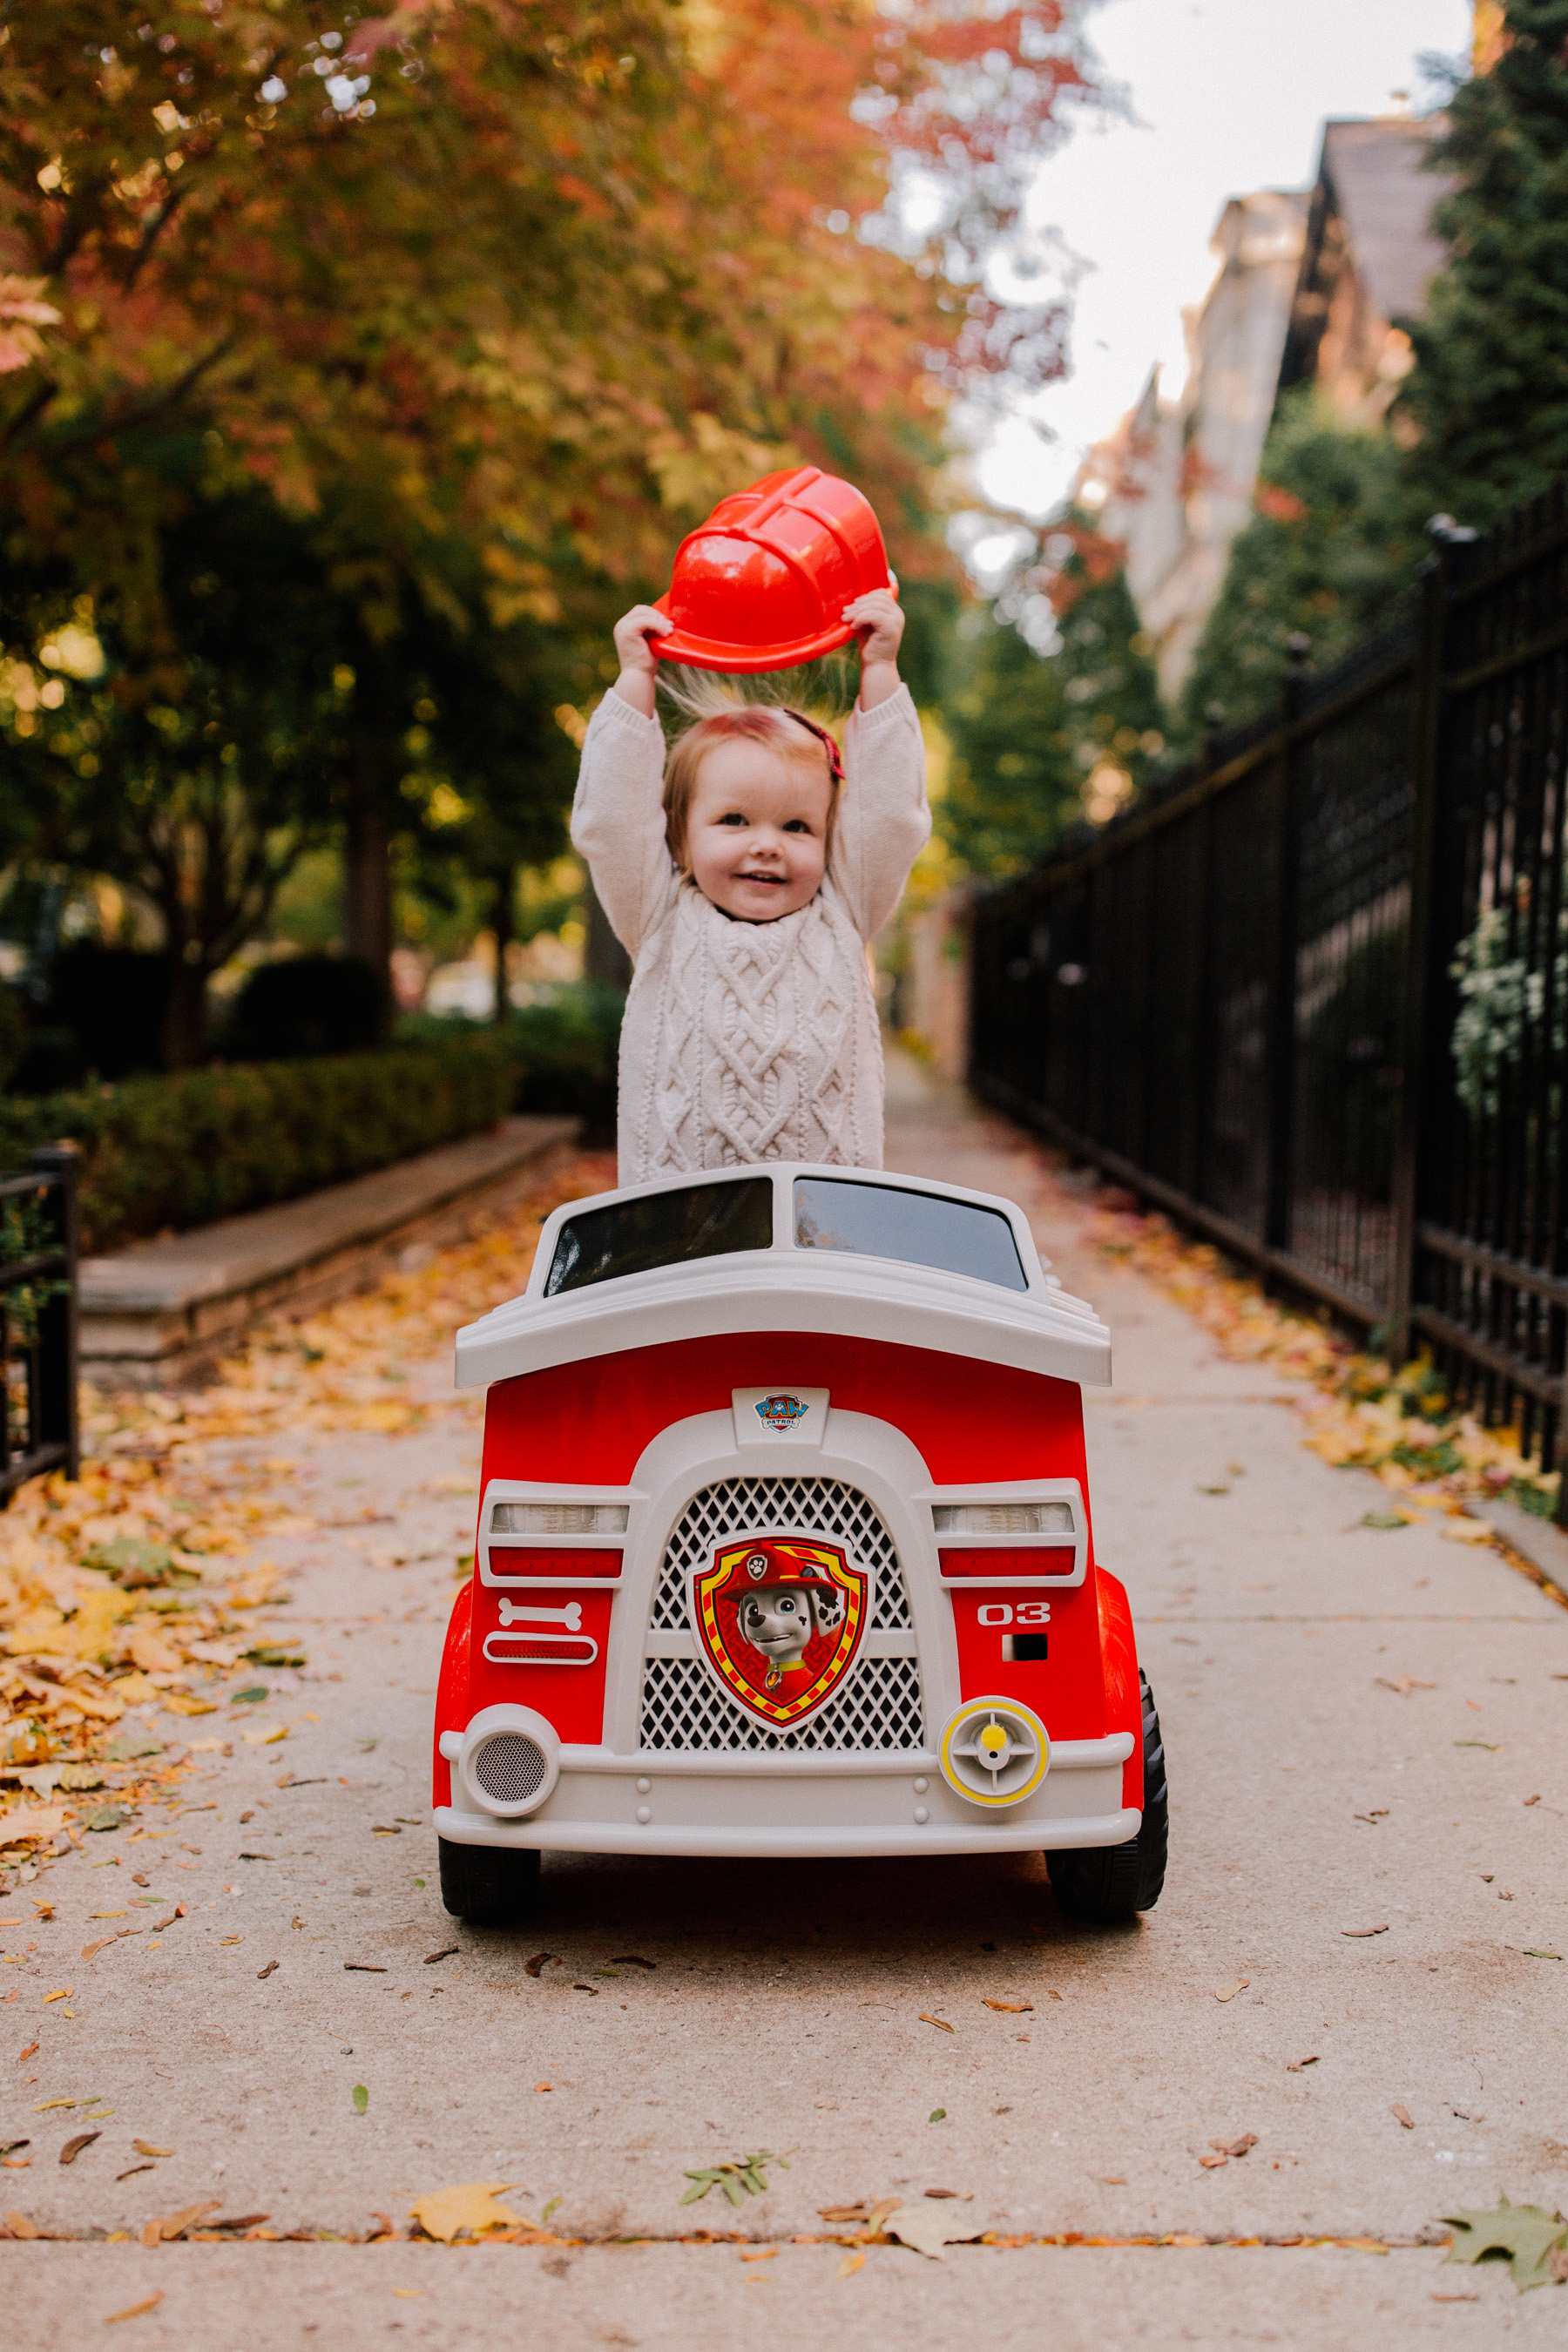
<point x="780" y="1621"/>
<point x="780" y="1412"/>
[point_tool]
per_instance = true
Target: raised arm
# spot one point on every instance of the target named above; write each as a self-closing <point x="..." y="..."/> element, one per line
<point x="883" y="822"/>
<point x="617" y="815"/>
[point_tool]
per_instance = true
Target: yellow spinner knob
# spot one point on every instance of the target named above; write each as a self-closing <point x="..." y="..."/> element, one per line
<point x="993" y="1738"/>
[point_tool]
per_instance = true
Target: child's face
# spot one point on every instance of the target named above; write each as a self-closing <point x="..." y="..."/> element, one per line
<point x="757" y="830"/>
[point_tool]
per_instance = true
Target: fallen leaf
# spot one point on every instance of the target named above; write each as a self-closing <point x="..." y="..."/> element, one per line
<point x="134" y="2170"/>
<point x="1533" y="1953"/>
<point x="1212" y="2163"/>
<point x="583" y="1988"/>
<point x="632" y="1960"/>
<point x="178" y="1912"/>
<point x="361" y="2098"/>
<point x="1528" y="2234"/>
<point x="927" y="2019"/>
<point x="135" y="2310"/>
<point x="1237" y="2148"/>
<point x="544" y="2086"/>
<point x="1385" y="1519"/>
<point x="30" y="2051"/>
<point x="445" y="1953"/>
<point x="1491" y="1745"/>
<point x="1230" y="1991"/>
<point x="173" y="2225"/>
<point x="20" y="2226"/>
<point x="763" y="2254"/>
<point x="1402" y="2115"/>
<point x="1010" y="2008"/>
<point x="262" y="1974"/>
<point x="73" y="2147"/>
<point x="849" y="2265"/>
<point x="469" y="2210"/>
<point x="540" y="1960"/>
<point x="1403" y="1683"/>
<point x="1296" y="2064"/>
<point x="1532" y="1801"/>
<point x="928" y="2229"/>
<point x="937" y="2115"/>
<point x="1365" y="1931"/>
<point x="145" y="2147"/>
<point x="64" y="1994"/>
<point x="1113" y="2181"/>
<point x="740" y="2178"/>
<point x="366" y="1967"/>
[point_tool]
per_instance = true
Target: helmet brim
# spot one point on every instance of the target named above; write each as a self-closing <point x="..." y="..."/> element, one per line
<point x="712" y="653"/>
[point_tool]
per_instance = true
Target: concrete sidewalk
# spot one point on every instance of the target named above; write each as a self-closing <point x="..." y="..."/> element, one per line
<point x="1354" y="1721"/>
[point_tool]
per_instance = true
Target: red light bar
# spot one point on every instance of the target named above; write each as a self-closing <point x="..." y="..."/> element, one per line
<point x="506" y="1562"/>
<point x="1035" y="1560"/>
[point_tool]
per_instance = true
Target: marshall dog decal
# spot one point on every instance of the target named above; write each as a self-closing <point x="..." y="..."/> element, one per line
<point x="780" y="1622"/>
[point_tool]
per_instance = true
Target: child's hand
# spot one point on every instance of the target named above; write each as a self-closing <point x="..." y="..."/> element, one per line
<point x="878" y="620"/>
<point x="639" y="664"/>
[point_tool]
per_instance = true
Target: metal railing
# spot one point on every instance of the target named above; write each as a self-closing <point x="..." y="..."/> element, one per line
<point x="1311" y="994"/>
<point x="38" y="1429"/>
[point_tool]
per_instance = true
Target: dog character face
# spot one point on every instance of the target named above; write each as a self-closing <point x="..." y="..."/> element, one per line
<point x="780" y="1619"/>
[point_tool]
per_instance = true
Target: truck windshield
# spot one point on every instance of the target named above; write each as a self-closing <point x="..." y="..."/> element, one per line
<point x="920" y="1228"/>
<point x="661" y="1229"/>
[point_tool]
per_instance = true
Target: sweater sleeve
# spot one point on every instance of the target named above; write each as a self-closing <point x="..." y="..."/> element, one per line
<point x="883" y="820"/>
<point x="617" y="819"/>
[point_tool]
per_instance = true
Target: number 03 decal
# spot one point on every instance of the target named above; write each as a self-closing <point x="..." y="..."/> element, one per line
<point x="1013" y="1613"/>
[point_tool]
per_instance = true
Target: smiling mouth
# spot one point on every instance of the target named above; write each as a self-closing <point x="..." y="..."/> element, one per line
<point x="778" y="878"/>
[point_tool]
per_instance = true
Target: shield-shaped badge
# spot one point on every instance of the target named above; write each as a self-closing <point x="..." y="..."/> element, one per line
<point x="779" y="1619"/>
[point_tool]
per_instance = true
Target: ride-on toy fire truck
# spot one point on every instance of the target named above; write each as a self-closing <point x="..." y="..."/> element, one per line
<point x="785" y="1550"/>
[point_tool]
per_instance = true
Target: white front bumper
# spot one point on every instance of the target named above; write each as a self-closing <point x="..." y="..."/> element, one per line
<point x="805" y="1806"/>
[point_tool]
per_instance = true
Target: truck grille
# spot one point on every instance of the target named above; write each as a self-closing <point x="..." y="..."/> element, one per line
<point x="879" y="1706"/>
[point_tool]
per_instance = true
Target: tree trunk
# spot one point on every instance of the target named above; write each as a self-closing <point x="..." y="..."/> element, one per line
<point x="184" y="1018"/>
<point x="604" y="958"/>
<point x="367" y="881"/>
<point x="501" y="918"/>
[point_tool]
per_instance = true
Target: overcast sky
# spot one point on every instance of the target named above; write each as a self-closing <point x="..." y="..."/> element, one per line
<point x="1223" y="96"/>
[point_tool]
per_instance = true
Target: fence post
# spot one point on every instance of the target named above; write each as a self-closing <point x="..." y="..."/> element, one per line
<point x="1281" y="1037"/>
<point x="1425" y="739"/>
<point x="57" y="1338"/>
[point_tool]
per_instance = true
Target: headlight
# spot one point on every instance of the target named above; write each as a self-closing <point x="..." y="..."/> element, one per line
<point x="1003" y="1518"/>
<point x="558" y="1519"/>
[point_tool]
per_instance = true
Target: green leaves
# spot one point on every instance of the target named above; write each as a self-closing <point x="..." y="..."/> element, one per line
<point x="738" y="2180"/>
<point x="361" y="2098"/>
<point x="937" y="2115"/>
<point x="1532" y="2240"/>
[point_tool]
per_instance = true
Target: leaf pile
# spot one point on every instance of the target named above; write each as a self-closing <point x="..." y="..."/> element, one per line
<point x="133" y="1585"/>
<point x="1399" y="1425"/>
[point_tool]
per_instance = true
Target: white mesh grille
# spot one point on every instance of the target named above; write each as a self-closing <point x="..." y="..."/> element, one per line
<point x="879" y="1706"/>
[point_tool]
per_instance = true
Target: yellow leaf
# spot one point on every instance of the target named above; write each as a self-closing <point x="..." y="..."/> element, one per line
<point x="135" y="2310"/>
<point x="1230" y="1991"/>
<point x="64" y="1994"/>
<point x="266" y="1738"/>
<point x="1012" y="2008"/>
<point x="97" y="1614"/>
<point x="447" y="2213"/>
<point x="849" y="2265"/>
<point x="178" y="1703"/>
<point x="927" y="2019"/>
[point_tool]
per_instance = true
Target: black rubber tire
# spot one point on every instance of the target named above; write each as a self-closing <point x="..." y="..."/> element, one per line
<point x="1107" y="1885"/>
<point x="489" y="1887"/>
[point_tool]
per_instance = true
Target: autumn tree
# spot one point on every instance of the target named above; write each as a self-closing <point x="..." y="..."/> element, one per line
<point x="490" y="298"/>
<point x="1489" y="394"/>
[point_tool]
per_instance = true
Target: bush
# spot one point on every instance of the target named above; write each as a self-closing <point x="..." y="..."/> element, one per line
<point x="177" y="1151"/>
<point x="565" y="1049"/>
<point x="305" y="1005"/>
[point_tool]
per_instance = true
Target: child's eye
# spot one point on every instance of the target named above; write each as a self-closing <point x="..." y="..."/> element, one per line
<point x="797" y="825"/>
<point x="732" y="817"/>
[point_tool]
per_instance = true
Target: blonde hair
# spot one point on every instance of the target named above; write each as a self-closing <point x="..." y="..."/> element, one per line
<point x="722" y="711"/>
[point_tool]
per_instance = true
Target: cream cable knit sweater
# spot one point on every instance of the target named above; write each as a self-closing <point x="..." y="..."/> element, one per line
<point x="749" y="1041"/>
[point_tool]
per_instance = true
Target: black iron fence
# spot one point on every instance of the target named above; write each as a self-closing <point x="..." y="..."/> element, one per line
<point x="1312" y="995"/>
<point x="38" y="1320"/>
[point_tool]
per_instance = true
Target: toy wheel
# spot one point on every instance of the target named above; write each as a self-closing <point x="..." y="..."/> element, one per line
<point x="488" y="1887"/>
<point x="1107" y="1884"/>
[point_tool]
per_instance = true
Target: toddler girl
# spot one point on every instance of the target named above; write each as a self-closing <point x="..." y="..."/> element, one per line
<point x="745" y="892"/>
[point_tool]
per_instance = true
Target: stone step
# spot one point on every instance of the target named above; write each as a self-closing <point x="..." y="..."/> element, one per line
<point x="163" y="1312"/>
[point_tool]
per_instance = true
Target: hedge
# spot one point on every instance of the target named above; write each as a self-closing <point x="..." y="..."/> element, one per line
<point x="161" y="1153"/>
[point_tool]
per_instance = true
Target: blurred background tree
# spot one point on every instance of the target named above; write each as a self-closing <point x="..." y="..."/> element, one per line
<point x="354" y="373"/>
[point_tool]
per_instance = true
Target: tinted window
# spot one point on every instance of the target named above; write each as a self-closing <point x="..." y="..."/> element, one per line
<point x="662" y="1229"/>
<point x="879" y="1221"/>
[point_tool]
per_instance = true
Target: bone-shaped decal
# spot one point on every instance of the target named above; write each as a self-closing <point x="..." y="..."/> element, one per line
<point x="513" y="1612"/>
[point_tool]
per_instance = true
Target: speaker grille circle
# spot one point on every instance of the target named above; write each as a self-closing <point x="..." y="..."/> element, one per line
<point x="510" y="1768"/>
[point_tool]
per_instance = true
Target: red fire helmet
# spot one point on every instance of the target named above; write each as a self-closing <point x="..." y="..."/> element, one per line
<point x="763" y="584"/>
